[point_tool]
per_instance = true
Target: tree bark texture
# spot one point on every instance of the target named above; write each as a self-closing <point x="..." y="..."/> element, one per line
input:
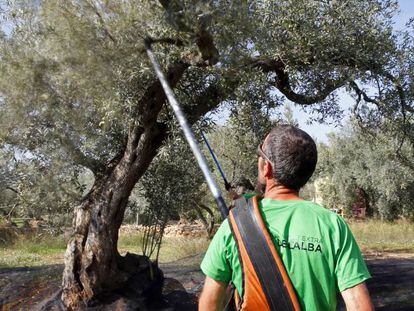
<point x="92" y="262"/>
<point x="208" y="225"/>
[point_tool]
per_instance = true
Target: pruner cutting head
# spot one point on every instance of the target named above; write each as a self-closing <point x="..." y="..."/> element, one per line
<point x="148" y="41"/>
<point x="244" y="182"/>
<point x="227" y="185"/>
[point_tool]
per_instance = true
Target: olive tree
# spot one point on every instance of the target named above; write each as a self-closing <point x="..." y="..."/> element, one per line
<point x="76" y="85"/>
<point x="354" y="163"/>
<point x="33" y="188"/>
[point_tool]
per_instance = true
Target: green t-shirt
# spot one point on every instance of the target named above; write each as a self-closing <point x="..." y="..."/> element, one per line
<point x="318" y="250"/>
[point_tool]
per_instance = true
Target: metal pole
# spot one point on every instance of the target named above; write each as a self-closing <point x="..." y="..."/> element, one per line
<point x="213" y="155"/>
<point x="188" y="133"/>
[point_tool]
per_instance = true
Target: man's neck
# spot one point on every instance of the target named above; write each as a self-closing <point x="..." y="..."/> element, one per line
<point x="279" y="192"/>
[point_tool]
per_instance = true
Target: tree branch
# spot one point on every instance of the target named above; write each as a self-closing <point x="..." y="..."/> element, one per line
<point x="203" y="39"/>
<point x="12" y="189"/>
<point x="209" y="226"/>
<point x="401" y="94"/>
<point x="150" y="104"/>
<point x="102" y="22"/>
<point x="282" y="82"/>
<point x="166" y="40"/>
<point x="208" y="100"/>
<point x="78" y="156"/>
<point x="205" y="44"/>
<point x="362" y="94"/>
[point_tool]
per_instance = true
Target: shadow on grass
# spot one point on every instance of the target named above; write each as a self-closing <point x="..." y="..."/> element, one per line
<point x="24" y="288"/>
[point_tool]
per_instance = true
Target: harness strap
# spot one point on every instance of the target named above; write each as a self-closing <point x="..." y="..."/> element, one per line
<point x="266" y="284"/>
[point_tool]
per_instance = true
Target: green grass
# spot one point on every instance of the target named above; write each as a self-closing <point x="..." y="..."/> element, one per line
<point x="172" y="248"/>
<point x="375" y="235"/>
<point x="35" y="250"/>
<point x="19" y="222"/>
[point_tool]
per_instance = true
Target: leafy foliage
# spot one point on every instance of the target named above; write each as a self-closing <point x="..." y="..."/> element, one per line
<point x="37" y="189"/>
<point x="352" y="160"/>
<point x="174" y="181"/>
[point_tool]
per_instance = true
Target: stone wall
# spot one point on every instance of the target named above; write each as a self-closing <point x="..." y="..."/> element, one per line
<point x="174" y="229"/>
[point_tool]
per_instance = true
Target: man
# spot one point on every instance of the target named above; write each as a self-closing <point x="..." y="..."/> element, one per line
<point x="316" y="246"/>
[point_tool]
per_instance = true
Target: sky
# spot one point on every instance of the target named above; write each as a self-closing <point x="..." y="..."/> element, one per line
<point x="319" y="131"/>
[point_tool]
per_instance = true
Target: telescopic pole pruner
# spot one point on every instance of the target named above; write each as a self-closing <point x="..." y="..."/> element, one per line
<point x="227" y="185"/>
<point x="188" y="133"/>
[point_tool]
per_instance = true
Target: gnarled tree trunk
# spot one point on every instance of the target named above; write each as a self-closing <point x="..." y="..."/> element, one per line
<point x="92" y="261"/>
<point x="208" y="225"/>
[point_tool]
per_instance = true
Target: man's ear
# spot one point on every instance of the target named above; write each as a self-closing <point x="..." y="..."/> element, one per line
<point x="268" y="170"/>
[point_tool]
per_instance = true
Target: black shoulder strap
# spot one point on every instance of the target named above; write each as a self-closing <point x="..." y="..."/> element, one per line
<point x="260" y="255"/>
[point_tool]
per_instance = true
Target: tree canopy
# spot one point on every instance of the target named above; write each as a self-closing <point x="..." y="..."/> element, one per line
<point x="74" y="75"/>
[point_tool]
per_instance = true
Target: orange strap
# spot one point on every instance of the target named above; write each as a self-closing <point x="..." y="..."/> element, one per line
<point x="266" y="284"/>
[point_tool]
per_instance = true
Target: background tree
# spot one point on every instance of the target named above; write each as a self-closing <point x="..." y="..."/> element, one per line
<point x="8" y="192"/>
<point x="174" y="186"/>
<point x="33" y="188"/>
<point x="354" y="164"/>
<point x="235" y="143"/>
<point x="76" y="86"/>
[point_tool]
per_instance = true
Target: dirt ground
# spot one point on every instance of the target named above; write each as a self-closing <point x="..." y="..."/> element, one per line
<point x="38" y="288"/>
<point x="392" y="283"/>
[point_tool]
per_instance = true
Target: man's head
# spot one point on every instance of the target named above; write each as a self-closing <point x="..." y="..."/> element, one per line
<point x="292" y="155"/>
